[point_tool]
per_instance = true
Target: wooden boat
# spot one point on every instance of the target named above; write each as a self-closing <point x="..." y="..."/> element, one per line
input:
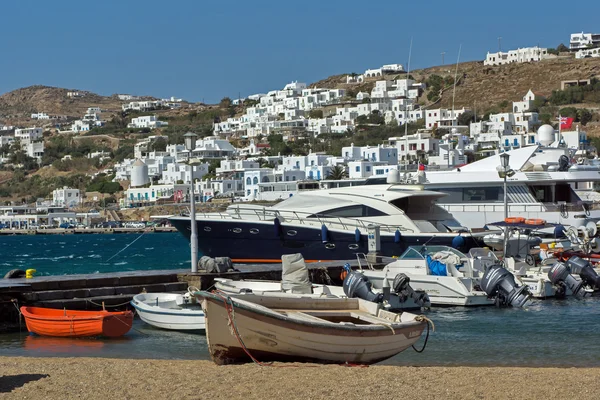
<point x="272" y="327"/>
<point x="169" y="311"/>
<point x="72" y="323"/>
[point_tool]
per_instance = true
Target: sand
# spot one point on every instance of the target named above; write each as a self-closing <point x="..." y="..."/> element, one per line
<point x="96" y="378"/>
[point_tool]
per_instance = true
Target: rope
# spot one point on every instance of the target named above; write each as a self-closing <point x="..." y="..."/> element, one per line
<point x="126" y="246"/>
<point x="387" y="326"/>
<point x="102" y="305"/>
<point x="233" y="328"/>
<point x="421" y="318"/>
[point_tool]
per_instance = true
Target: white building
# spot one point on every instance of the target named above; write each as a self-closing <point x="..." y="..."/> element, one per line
<point x="75" y="94"/>
<point x="588" y="53"/>
<point x="417" y="146"/>
<point x="183" y="173"/>
<point x="28" y="134"/>
<point x="442" y="117"/>
<point x="213" y="147"/>
<point x="135" y="197"/>
<point x="80" y="126"/>
<point x="149" y="121"/>
<point x="40" y="115"/>
<point x="584" y="40"/>
<point x="521" y="55"/>
<point x="253" y="177"/>
<point x="142" y="105"/>
<point x="65" y="197"/>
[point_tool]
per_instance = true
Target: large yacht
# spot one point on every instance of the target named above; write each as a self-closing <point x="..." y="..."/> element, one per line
<point x="328" y="225"/>
<point x="548" y="183"/>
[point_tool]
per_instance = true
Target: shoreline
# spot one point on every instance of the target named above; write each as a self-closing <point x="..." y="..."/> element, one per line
<point x="101" y="378"/>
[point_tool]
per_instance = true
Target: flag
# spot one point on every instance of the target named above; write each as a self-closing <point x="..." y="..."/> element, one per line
<point x="566" y="122"/>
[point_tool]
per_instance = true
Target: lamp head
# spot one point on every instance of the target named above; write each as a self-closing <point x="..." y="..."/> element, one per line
<point x="190" y="141"/>
<point x="505" y="160"/>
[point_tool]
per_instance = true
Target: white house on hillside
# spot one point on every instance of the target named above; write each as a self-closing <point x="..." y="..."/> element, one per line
<point x="527" y="54"/>
<point x="149" y="121"/>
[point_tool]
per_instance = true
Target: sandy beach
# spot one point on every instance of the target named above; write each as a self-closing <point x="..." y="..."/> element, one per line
<point x="96" y="378"/>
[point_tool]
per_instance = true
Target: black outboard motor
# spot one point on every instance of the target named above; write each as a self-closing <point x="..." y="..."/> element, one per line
<point x="563" y="163"/>
<point x="579" y="266"/>
<point x="404" y="291"/>
<point x="357" y="285"/>
<point x="500" y="283"/>
<point x="559" y="276"/>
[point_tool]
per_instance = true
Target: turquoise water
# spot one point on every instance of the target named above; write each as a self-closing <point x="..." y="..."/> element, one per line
<point x="545" y="333"/>
<point x="91" y="253"/>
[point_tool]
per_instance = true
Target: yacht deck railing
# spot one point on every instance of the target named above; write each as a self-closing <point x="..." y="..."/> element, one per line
<point x="302" y="218"/>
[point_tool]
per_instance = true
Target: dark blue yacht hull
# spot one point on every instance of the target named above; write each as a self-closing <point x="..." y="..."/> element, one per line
<point x="256" y="242"/>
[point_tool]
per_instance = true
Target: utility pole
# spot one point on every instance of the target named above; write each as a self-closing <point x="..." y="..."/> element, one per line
<point x="443" y="52"/>
<point x="499" y="43"/>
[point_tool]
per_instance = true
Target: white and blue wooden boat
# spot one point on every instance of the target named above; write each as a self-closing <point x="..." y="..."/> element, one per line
<point x="171" y="311"/>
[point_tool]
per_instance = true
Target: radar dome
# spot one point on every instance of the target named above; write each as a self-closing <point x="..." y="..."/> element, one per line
<point x="545" y="135"/>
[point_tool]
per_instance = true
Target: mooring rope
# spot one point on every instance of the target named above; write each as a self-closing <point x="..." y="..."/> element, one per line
<point x="126" y="246"/>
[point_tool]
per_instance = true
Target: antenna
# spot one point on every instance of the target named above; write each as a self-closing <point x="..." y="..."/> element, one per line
<point x="406" y="105"/>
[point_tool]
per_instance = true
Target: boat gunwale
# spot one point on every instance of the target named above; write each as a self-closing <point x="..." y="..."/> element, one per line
<point x="91" y="315"/>
<point x="382" y="329"/>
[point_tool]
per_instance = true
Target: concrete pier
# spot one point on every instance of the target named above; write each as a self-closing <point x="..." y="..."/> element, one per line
<point x="76" y="231"/>
<point x="115" y="290"/>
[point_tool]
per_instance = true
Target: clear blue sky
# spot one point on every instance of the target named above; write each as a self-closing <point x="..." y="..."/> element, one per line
<point x="205" y="49"/>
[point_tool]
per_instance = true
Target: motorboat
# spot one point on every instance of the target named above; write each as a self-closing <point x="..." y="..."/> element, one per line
<point x="295" y="280"/>
<point x="170" y="311"/>
<point x="297" y="328"/>
<point x="73" y="323"/>
<point x="328" y="225"/>
<point x="451" y="278"/>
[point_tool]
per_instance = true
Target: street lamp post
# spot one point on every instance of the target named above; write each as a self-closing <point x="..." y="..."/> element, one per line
<point x="190" y="145"/>
<point x="505" y="164"/>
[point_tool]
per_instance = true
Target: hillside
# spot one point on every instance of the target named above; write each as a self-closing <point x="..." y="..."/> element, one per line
<point x="19" y="104"/>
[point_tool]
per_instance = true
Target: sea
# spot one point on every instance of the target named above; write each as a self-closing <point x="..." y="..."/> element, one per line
<point x="559" y="333"/>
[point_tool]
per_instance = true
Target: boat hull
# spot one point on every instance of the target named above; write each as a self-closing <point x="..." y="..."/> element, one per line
<point x="269" y="338"/>
<point x="256" y="241"/>
<point x="69" y="323"/>
<point x="165" y="314"/>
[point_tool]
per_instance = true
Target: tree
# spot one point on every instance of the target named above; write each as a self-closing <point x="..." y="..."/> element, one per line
<point x="338" y="172"/>
<point x="159" y="144"/>
<point x="315" y="114"/>
<point x="584" y="115"/>
<point x="466" y="118"/>
<point x="225" y="102"/>
<point x="561" y="48"/>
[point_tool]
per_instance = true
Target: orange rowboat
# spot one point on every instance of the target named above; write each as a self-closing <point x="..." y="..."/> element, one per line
<point x="71" y="323"/>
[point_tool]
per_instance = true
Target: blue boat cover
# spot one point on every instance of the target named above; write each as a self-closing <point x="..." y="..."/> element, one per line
<point x="436" y="267"/>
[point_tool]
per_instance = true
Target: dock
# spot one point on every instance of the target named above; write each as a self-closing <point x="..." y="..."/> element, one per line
<point x="81" y="231"/>
<point x="114" y="290"/>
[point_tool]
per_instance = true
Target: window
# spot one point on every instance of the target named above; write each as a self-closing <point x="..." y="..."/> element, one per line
<point x="355" y="211"/>
<point x="483" y="194"/>
<point x="422" y="146"/>
<point x="248" y="192"/>
<point x="401" y="147"/>
<point x="248" y="181"/>
<point x="379" y="172"/>
<point x="255" y="180"/>
<point x="368" y="168"/>
<point x="358" y="168"/>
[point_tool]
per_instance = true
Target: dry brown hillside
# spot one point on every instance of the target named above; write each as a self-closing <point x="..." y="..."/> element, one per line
<point x="21" y="103"/>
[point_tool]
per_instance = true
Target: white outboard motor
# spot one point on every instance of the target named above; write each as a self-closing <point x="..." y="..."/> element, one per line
<point x="404" y="291"/>
<point x="561" y="278"/>
<point x="584" y="269"/>
<point x="498" y="282"/>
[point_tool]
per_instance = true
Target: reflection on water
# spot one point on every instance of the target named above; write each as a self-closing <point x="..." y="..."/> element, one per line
<point x="545" y="333"/>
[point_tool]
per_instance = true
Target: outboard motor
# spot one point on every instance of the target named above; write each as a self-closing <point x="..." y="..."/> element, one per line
<point x="559" y="276"/>
<point x="499" y="282"/>
<point x="579" y="266"/>
<point x="357" y="285"/>
<point x="563" y="163"/>
<point x="404" y="291"/>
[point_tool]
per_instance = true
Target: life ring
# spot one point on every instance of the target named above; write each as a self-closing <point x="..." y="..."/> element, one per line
<point x="535" y="221"/>
<point x="514" y="220"/>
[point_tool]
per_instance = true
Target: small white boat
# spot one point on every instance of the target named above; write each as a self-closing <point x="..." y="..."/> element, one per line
<point x="179" y="312"/>
<point x="295" y="279"/>
<point x="296" y="328"/>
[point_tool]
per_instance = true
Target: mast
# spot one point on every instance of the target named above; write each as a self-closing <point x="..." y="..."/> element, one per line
<point x="406" y="107"/>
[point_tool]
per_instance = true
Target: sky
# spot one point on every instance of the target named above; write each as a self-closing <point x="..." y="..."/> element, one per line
<point x="203" y="50"/>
